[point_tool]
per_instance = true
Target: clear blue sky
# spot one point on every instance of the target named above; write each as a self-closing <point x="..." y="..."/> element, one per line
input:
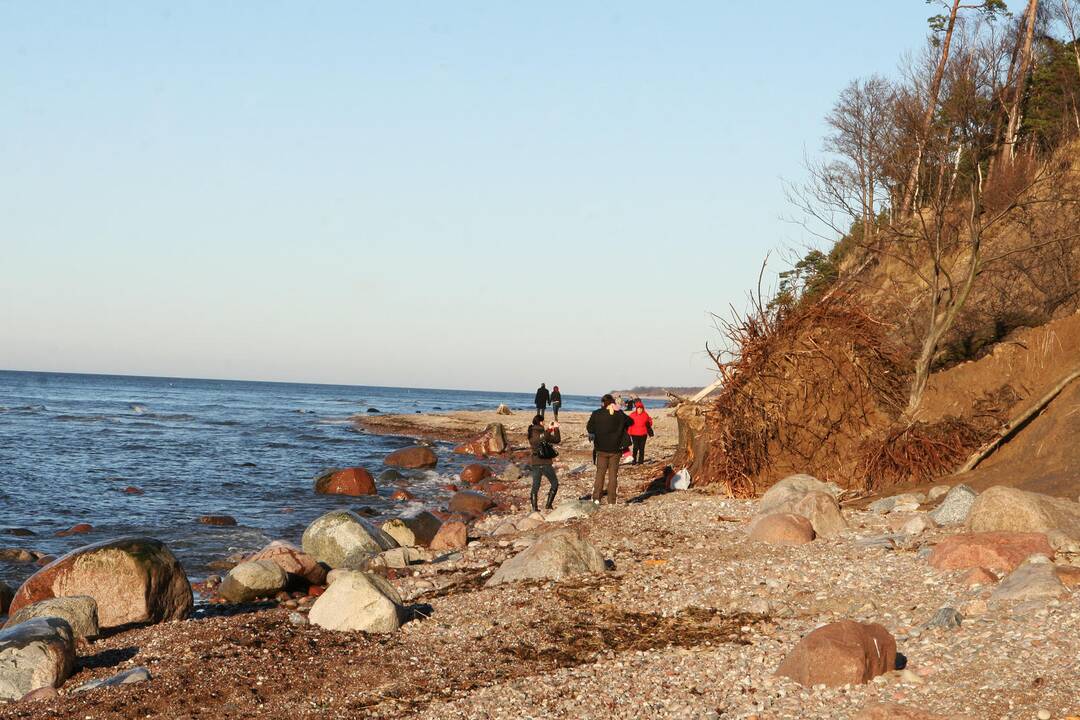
<point x="435" y="194"/>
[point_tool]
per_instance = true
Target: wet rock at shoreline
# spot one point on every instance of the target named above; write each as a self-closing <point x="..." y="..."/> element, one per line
<point x="1000" y="551"/>
<point x="556" y="555"/>
<point x="782" y="529"/>
<point x="412" y="458"/>
<point x="358" y="601"/>
<point x="35" y="654"/>
<point x="17" y="532"/>
<point x="354" y="481"/>
<point x="424" y="526"/>
<point x="470" y="501"/>
<point x="133" y="579"/>
<point x="397" y="529"/>
<point x="218" y="520"/>
<point x="390" y="476"/>
<point x="402" y="495"/>
<point x="79" y="611"/>
<point x="253" y="580"/>
<point x="492" y="441"/>
<point x="475" y="473"/>
<point x="841" y="653"/>
<point x="1005" y="508"/>
<point x="6" y="593"/>
<point x="343" y="539"/>
<point x="79" y="529"/>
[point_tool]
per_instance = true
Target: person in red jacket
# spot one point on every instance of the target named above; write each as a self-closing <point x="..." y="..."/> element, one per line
<point x="639" y="431"/>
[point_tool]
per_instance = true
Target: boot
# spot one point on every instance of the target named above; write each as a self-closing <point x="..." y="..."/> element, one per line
<point x="551" y="499"/>
<point x="533" y="498"/>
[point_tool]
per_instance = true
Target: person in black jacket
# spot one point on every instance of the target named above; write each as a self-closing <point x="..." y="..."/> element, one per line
<point x="540" y="465"/>
<point x="556" y="402"/>
<point x="608" y="427"/>
<point x="542" y="397"/>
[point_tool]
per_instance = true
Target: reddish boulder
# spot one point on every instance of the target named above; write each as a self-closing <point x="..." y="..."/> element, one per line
<point x="412" y="458"/>
<point x="490" y="442"/>
<point x="475" y="473"/>
<point x="132" y="490"/>
<point x="451" y="536"/>
<point x="345" y="481"/>
<point x="292" y="560"/>
<point x="1069" y="576"/>
<point x="76" y="530"/>
<point x="425" y="526"/>
<point x="316" y="590"/>
<point x="978" y="576"/>
<point x="219" y="520"/>
<point x="471" y="502"/>
<point x="841" y="653"/>
<point x="782" y="529"/>
<point x="133" y="580"/>
<point x="1000" y="551"/>
<point x="402" y="495"/>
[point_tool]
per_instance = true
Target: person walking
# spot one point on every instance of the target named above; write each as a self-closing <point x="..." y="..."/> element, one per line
<point x="543" y="444"/>
<point x="542" y="397"/>
<point x="556" y="402"/>
<point x="608" y="427"/>
<point x="640" y="430"/>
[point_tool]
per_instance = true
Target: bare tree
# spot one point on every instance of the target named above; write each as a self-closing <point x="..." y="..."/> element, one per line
<point x="1068" y="13"/>
<point x="1024" y="54"/>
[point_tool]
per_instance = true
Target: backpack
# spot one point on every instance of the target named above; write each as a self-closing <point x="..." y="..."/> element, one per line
<point x="544" y="449"/>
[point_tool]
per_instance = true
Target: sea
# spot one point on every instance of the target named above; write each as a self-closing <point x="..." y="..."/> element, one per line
<point x="71" y="444"/>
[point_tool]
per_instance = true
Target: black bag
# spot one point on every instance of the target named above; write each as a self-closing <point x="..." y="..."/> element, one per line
<point x="545" y="450"/>
<point x="624" y="441"/>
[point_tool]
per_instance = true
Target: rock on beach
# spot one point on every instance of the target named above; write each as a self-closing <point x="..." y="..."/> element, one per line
<point x="470" y="501"/>
<point x="491" y="441"/>
<point x="252" y="580"/>
<point x="1005" y="508"/>
<point x="79" y="611"/>
<point x="343" y="539"/>
<point x="292" y="560"/>
<point x="412" y="458"/>
<point x="1000" y="551"/>
<point x="556" y="555"/>
<point x="354" y="481"/>
<point x="781" y="529"/>
<point x="358" y="601"/>
<point x="35" y="654"/>
<point x="133" y="579"/>
<point x="841" y="653"/>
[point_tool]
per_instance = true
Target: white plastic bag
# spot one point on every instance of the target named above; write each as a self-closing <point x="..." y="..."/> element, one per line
<point x="680" y="480"/>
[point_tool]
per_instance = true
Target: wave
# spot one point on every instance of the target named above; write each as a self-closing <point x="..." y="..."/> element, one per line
<point x="171" y="416"/>
<point x="223" y="423"/>
<point x="334" y="421"/>
<point x="80" y="418"/>
<point x="137" y="408"/>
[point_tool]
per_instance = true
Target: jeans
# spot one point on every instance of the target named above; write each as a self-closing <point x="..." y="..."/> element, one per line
<point x="540" y="411"/>
<point x="555" y="409"/>
<point x="607" y="463"/>
<point x="639" y="448"/>
<point x="546" y="471"/>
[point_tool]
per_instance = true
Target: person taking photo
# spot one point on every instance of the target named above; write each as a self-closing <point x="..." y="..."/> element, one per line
<point x="541" y="463"/>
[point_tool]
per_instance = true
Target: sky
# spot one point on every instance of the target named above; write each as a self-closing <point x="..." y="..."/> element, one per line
<point x="478" y="195"/>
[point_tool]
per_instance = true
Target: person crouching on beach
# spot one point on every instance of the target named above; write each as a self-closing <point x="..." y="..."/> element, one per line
<point x="640" y="430"/>
<point x="556" y="402"/>
<point x="608" y="426"/>
<point x="543" y="444"/>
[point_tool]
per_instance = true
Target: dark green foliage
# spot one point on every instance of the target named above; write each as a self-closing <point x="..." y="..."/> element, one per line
<point x="1052" y="97"/>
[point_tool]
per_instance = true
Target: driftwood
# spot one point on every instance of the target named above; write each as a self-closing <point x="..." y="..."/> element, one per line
<point x="1010" y="427"/>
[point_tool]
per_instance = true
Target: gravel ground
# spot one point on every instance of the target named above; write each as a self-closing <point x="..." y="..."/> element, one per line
<point x="691" y="622"/>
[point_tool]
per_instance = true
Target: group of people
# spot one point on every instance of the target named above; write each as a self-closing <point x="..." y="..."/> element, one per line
<point x="612" y="431"/>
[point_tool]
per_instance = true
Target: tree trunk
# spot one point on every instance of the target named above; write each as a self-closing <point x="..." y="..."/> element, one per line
<point x="922" y="140"/>
<point x="1008" y="148"/>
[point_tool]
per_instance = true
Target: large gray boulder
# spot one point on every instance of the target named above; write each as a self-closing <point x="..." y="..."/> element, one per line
<point x="343" y="539"/>
<point x="807" y="496"/>
<point x="956" y="506"/>
<point x="80" y="612"/>
<point x="556" y="555"/>
<point x="790" y="490"/>
<point x="1036" y="579"/>
<point x="1006" y="508"/>
<point x="35" y="654"/>
<point x="358" y="601"/>
<point x="252" y="580"/>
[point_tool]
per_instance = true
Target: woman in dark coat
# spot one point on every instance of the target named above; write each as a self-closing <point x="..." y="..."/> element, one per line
<point x="556" y="401"/>
<point x="543" y="466"/>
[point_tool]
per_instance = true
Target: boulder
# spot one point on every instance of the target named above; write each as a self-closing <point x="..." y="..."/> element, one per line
<point x="790" y="490"/>
<point x="955" y="507"/>
<point x="402" y="495"/>
<point x="918" y="525"/>
<point x="1000" y="551"/>
<point x="556" y="555"/>
<point x="571" y="509"/>
<point x="490" y="442"/>
<point x="399" y="557"/>
<point x="1069" y="575"/>
<point x="1035" y="579"/>
<point x="503" y="410"/>
<point x="475" y="473"/>
<point x="424" y="526"/>
<point x="35" y="654"/>
<point x="978" y="576"/>
<point x="343" y="539"/>
<point x="412" y="458"/>
<point x="352" y="481"/>
<point x="390" y="475"/>
<point x="252" y="580"/>
<point x="397" y="529"/>
<point x="292" y="560"/>
<point x="532" y="521"/>
<point x="79" y="611"/>
<point x="937" y="491"/>
<point x="823" y="512"/>
<point x="6" y="594"/>
<point x="80" y="529"/>
<point x="358" y="601"/>
<point x="512" y="473"/>
<point x="471" y="502"/>
<point x="841" y="653"/>
<point x="451" y="536"/>
<point x="16" y="555"/>
<point x="1005" y="508"/>
<point x="890" y="504"/>
<point x="133" y="580"/>
<point x="218" y="520"/>
<point x="782" y="529"/>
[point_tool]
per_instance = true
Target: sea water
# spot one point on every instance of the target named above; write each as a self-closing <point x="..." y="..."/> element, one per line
<point x="71" y="444"/>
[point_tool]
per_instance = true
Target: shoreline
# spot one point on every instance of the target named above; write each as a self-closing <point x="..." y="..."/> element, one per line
<point x="690" y="620"/>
